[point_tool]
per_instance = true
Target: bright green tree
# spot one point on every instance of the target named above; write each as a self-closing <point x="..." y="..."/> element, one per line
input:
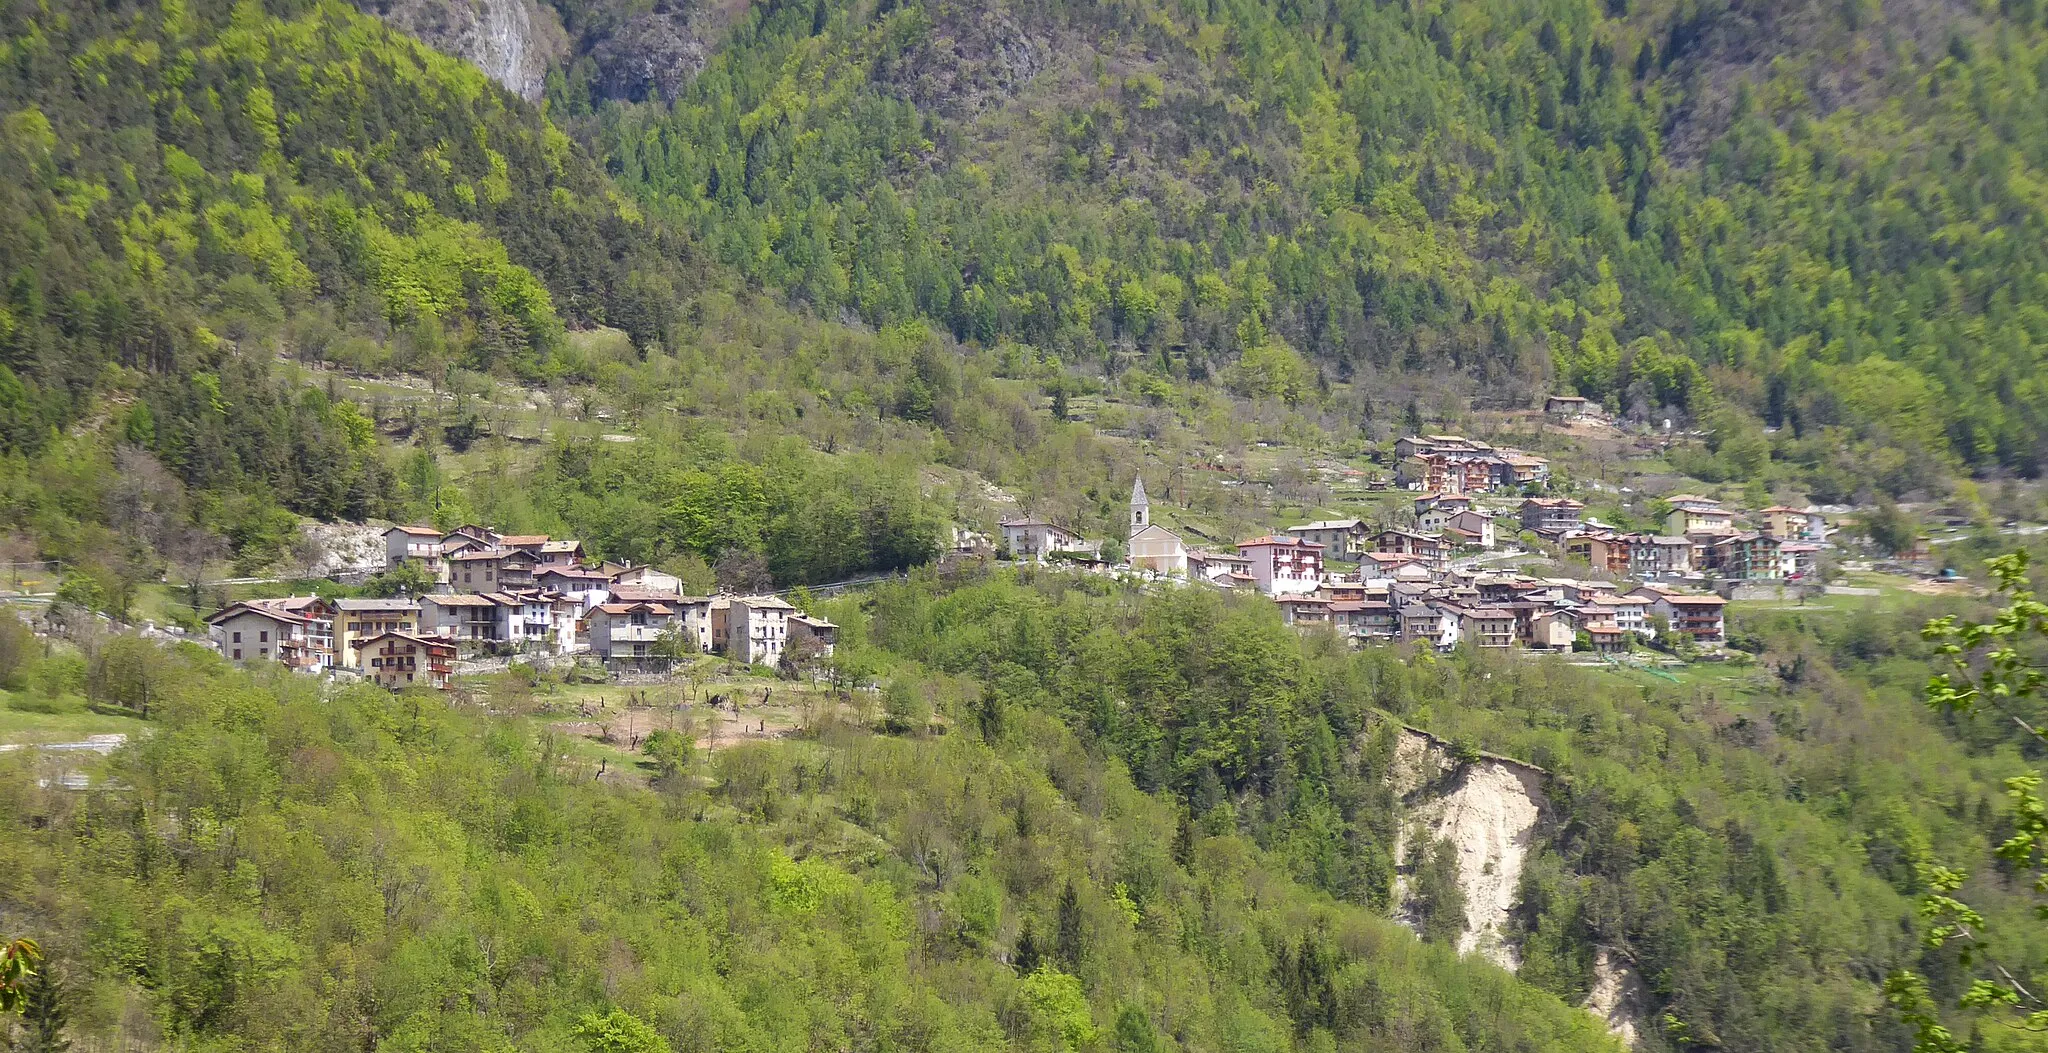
<point x="1994" y="670"/>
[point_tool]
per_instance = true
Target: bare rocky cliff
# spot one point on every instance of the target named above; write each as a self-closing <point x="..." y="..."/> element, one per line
<point x="511" y="40"/>
<point x="1618" y="995"/>
<point x="1489" y="809"/>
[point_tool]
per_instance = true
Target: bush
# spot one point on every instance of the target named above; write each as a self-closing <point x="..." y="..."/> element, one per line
<point x="669" y="750"/>
<point x="25" y="703"/>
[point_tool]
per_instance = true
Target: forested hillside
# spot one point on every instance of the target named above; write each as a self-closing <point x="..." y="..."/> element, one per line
<point x="1826" y="216"/>
<point x="194" y="185"/>
<point x="374" y="872"/>
<point x="792" y="287"/>
<point x="1087" y="817"/>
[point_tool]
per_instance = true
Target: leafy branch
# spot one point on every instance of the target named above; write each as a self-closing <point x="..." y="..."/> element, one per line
<point x="1988" y="672"/>
<point x="18" y="961"/>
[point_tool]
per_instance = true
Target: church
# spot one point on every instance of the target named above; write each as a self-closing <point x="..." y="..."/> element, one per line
<point x="1151" y="546"/>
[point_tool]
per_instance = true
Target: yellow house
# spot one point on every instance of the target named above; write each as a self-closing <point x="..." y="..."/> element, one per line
<point x="357" y="620"/>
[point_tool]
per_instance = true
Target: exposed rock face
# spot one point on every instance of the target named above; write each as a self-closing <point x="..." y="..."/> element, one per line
<point x="1488" y="810"/>
<point x="327" y="550"/>
<point x="975" y="58"/>
<point x="652" y="55"/>
<point x="511" y="40"/>
<point x="1618" y="996"/>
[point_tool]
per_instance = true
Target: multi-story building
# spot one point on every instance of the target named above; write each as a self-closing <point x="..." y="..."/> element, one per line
<point x="1692" y="514"/>
<point x="1036" y="539"/>
<point x="398" y="660"/>
<point x="1425" y="623"/>
<point x="490" y="570"/>
<point x="1659" y="556"/>
<point x="1793" y="524"/>
<point x="1747" y="556"/>
<point x="420" y="543"/>
<point x="1483" y="626"/>
<point x="630" y="632"/>
<point x="1623" y="612"/>
<point x="757" y="629"/>
<point x="1469" y="528"/>
<point x="357" y="619"/>
<point x="1514" y="470"/>
<point x="1432" y="551"/>
<point x="1447" y="503"/>
<point x="1602" y="550"/>
<point x="473" y="619"/>
<point x="267" y="631"/>
<point x="1344" y="539"/>
<point x="1798" y="560"/>
<point x="1551" y="516"/>
<point x="807" y="631"/>
<point x="1700" y="617"/>
<point x="1303" y="610"/>
<point x="1453" y="464"/>
<point x="1365" y="619"/>
<point x="1283" y="566"/>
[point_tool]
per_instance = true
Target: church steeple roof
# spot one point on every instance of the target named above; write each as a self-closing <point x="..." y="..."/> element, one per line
<point x="1138" y="499"/>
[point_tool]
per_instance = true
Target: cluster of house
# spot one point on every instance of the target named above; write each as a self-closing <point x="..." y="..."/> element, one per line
<point x="496" y="593"/>
<point x="1700" y="537"/>
<point x="1407" y="587"/>
<point x="1543" y="614"/>
<point x="1453" y="464"/>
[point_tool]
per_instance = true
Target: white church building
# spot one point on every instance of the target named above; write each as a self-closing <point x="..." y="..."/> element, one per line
<point x="1151" y="546"/>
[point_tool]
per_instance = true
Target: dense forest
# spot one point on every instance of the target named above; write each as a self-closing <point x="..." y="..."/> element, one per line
<point x="376" y="872"/>
<point x="783" y="297"/>
<point x="1125" y="821"/>
<point x="1822" y="218"/>
<point x="1758" y="852"/>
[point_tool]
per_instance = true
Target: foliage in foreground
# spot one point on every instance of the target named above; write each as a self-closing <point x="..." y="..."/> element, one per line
<point x="386" y="872"/>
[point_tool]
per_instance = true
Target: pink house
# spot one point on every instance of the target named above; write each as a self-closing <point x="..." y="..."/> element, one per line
<point x="1284" y="566"/>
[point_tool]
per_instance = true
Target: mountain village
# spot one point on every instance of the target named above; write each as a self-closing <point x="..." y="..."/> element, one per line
<point x="1433" y="579"/>
<point x="1427" y="581"/>
<point x="496" y="593"/>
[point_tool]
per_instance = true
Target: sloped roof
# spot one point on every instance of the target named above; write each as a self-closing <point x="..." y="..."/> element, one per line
<point x="628" y="608"/>
<point x="237" y="609"/>
<point x="636" y="594"/>
<point x="458" y="599"/>
<point x="429" y="641"/>
<point x="1282" y="542"/>
<point x="1328" y="524"/>
<point x="366" y="603"/>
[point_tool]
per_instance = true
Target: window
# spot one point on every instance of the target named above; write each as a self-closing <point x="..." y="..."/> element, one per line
<point x="263" y="652"/>
<point x="238" y="654"/>
<point x="263" y="636"/>
<point x="238" y="637"/>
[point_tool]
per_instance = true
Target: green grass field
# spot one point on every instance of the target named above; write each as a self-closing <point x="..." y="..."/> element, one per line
<point x="68" y="721"/>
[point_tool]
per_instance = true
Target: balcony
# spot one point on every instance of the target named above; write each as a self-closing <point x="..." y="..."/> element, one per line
<point x="635" y="633"/>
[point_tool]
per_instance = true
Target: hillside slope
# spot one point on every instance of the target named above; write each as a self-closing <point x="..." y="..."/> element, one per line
<point x="1827" y="215"/>
<point x="195" y="187"/>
